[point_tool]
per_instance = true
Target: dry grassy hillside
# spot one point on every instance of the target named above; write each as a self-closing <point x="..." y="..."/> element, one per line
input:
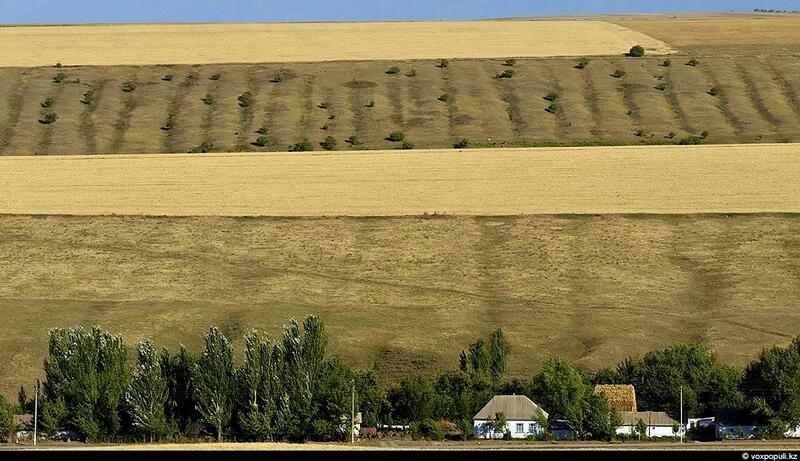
<point x="405" y="294"/>
<point x="134" y="110"/>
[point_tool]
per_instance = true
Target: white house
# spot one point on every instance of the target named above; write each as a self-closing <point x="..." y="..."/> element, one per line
<point x="521" y="415"/>
<point x="659" y="423"/>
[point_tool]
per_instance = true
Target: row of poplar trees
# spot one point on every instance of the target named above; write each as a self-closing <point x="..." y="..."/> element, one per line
<point x="284" y="390"/>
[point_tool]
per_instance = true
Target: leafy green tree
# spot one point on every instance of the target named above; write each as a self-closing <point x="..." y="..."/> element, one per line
<point x="772" y="384"/>
<point x="640" y="428"/>
<point x="331" y="402"/>
<point x="479" y="358"/>
<point x="214" y="382"/>
<point x="413" y="399"/>
<point x="602" y="419"/>
<point x="87" y="375"/>
<point x="181" y="408"/>
<point x="148" y="393"/>
<point x="257" y="387"/>
<point x="561" y="389"/>
<point x="498" y="424"/>
<point x="637" y="51"/>
<point x="461" y="395"/>
<point x="498" y="353"/>
<point x="6" y="418"/>
<point x="369" y="397"/>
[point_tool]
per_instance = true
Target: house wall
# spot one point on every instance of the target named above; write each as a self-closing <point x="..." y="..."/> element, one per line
<point x="482" y="432"/>
<point x="652" y="431"/>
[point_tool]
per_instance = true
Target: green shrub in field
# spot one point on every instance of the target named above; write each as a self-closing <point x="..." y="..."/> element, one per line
<point x="59" y="77"/>
<point x="666" y="63"/>
<point x="670" y="135"/>
<point x="582" y="63"/>
<point x="411" y="73"/>
<point x="303" y="146"/>
<point x="203" y="148"/>
<point x="324" y="105"/>
<point x="443" y="64"/>
<point x="636" y="51"/>
<point x="661" y="86"/>
<point x="332" y="117"/>
<point x="262" y="141"/>
<point x="88" y="97"/>
<point x="508" y="73"/>
<point x="510" y="62"/>
<point x="191" y="78"/>
<point x="396" y="136"/>
<point x="371" y="104"/>
<point x="353" y="140"/>
<point x="48" y="102"/>
<point x="167" y="78"/>
<point x="444" y="98"/>
<point x="551" y="96"/>
<point x="619" y="73"/>
<point x="48" y="118"/>
<point x="692" y="62"/>
<point x="393" y="70"/>
<point x="324" y="127"/>
<point x="209" y="99"/>
<point x="704" y="135"/>
<point x="262" y="130"/>
<point x="329" y="143"/>
<point x="461" y="143"/>
<point x="58" y="65"/>
<point x="552" y="108"/>
<point x="128" y="86"/>
<point x="216" y="76"/>
<point x="406" y="145"/>
<point x="714" y="91"/>
<point x="638" y="133"/>
<point x="170" y="124"/>
<point x="690" y="140"/>
<point x="246" y="99"/>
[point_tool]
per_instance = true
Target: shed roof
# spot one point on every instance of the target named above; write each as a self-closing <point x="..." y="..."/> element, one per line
<point x="651" y="418"/>
<point x="514" y="407"/>
<point x="622" y="397"/>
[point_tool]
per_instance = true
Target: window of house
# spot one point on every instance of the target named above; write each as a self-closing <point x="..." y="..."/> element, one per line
<point x="519" y="428"/>
<point x="531" y="428"/>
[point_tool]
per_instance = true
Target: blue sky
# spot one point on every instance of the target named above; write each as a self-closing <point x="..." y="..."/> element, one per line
<point x="82" y="11"/>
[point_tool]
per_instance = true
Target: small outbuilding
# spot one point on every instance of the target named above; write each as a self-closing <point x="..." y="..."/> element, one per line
<point x="521" y="414"/>
<point x="658" y="423"/>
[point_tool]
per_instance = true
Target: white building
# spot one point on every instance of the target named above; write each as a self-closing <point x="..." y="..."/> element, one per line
<point x="659" y="423"/>
<point x="521" y="416"/>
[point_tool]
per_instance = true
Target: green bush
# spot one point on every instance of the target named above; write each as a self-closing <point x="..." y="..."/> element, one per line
<point x="48" y="118"/>
<point x="406" y="145"/>
<point x="59" y="77"/>
<point x="332" y="117"/>
<point x="692" y="62"/>
<point x="371" y="104"/>
<point x="638" y="133"/>
<point x="246" y="99"/>
<point x="216" y="76"/>
<point x="170" y="124"/>
<point x="262" y="141"/>
<point x="167" y="78"/>
<point x="443" y="98"/>
<point x="329" y="143"/>
<point x="58" y="65"/>
<point x="209" y="99"/>
<point x="618" y="73"/>
<point x="353" y="140"/>
<point x="670" y="135"/>
<point x="582" y="63"/>
<point x="690" y="140"/>
<point x="411" y="73"/>
<point x="48" y="102"/>
<point x="461" y="143"/>
<point x="393" y="70"/>
<point x="551" y="96"/>
<point x="508" y="73"/>
<point x="661" y="86"/>
<point x="714" y="91"/>
<point x="427" y="429"/>
<point x="303" y="146"/>
<point x="636" y="51"/>
<point x="203" y="148"/>
<point x="396" y="136"/>
<point x="324" y="105"/>
<point x="666" y="63"/>
<point x="552" y="108"/>
<point x="443" y="64"/>
<point x="704" y="134"/>
<point x="510" y="62"/>
<point x="262" y="130"/>
<point x="128" y="86"/>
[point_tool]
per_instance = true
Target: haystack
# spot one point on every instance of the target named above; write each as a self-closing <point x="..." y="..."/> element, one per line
<point x="622" y="397"/>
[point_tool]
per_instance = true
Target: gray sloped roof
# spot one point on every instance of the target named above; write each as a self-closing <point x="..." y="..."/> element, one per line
<point x="514" y="407"/>
<point x="651" y="418"/>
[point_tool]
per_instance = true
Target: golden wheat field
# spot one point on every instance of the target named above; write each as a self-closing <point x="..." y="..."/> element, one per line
<point x="229" y="43"/>
<point x="654" y="179"/>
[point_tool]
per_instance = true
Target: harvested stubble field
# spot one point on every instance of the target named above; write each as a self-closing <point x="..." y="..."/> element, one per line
<point x="406" y="294"/>
<point x="654" y="179"/>
<point x="143" y="44"/>
<point x="758" y="101"/>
